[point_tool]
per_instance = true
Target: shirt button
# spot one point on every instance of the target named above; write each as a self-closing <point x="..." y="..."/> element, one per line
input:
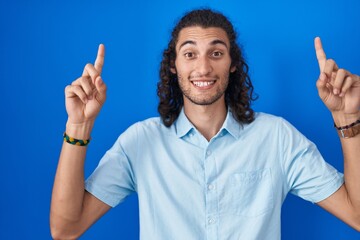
<point x="211" y="187"/>
<point x="208" y="153"/>
<point x="211" y="221"/>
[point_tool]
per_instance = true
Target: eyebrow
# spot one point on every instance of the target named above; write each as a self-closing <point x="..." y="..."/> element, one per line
<point x="217" y="41"/>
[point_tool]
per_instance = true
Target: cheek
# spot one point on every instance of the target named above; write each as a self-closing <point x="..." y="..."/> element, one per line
<point x="182" y="71"/>
<point x="224" y="71"/>
<point x="182" y="80"/>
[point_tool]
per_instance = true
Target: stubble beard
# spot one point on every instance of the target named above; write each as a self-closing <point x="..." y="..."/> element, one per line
<point x="203" y="100"/>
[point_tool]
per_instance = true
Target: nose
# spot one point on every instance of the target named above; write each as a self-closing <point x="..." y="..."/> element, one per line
<point x="203" y="66"/>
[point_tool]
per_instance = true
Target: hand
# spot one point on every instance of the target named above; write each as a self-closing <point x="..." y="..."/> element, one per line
<point x="338" y="88"/>
<point x="86" y="95"/>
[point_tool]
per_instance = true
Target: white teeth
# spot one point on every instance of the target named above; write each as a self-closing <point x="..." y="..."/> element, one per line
<point x="203" y="84"/>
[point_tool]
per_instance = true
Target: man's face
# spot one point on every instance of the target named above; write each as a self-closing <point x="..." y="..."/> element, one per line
<point x="203" y="64"/>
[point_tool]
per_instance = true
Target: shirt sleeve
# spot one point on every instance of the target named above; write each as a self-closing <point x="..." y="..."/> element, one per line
<point x="307" y="174"/>
<point x="113" y="179"/>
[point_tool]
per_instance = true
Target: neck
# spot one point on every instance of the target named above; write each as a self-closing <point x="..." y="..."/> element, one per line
<point x="208" y="119"/>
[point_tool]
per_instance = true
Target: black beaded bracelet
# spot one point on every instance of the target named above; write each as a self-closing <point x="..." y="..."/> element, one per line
<point x="347" y="126"/>
<point x="74" y="141"/>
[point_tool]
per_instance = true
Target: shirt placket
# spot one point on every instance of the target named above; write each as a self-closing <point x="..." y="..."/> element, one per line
<point x="211" y="195"/>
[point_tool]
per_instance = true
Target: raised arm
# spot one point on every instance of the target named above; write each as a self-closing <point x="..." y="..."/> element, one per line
<point x="73" y="209"/>
<point x="340" y="91"/>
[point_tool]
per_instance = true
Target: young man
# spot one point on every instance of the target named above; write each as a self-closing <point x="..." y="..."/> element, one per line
<point x="209" y="167"/>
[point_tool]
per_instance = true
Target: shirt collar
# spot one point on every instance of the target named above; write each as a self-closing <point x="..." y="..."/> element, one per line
<point x="183" y="126"/>
<point x="231" y="125"/>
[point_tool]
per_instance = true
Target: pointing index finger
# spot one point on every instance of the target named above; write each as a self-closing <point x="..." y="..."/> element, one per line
<point x="99" y="62"/>
<point x="320" y="54"/>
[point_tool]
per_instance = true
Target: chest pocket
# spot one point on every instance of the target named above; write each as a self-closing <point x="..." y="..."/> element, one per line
<point x="251" y="193"/>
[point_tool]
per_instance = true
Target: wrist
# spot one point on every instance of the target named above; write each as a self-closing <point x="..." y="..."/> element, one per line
<point x="347" y="125"/>
<point x="344" y="119"/>
<point x="79" y="130"/>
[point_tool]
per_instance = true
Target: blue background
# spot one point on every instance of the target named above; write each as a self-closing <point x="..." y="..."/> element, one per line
<point x="44" y="46"/>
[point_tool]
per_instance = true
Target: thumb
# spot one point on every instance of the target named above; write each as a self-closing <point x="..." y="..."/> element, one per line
<point x="101" y="89"/>
<point x="321" y="85"/>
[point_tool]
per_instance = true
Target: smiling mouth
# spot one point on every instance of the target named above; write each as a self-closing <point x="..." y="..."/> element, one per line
<point x="202" y="84"/>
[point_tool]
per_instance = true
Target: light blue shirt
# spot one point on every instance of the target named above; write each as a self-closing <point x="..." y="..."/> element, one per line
<point x="229" y="188"/>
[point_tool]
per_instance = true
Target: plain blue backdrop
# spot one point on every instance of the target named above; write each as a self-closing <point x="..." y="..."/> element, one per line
<point x="45" y="44"/>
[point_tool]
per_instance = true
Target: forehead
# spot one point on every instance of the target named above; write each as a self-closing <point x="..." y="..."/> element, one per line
<point x="202" y="35"/>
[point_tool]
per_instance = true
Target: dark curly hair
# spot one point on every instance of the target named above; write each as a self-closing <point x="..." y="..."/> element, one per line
<point x="239" y="93"/>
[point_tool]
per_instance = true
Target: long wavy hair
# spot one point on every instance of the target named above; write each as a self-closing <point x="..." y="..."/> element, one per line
<point x="239" y="93"/>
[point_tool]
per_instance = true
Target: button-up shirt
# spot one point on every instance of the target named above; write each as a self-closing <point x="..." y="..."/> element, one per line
<point x="231" y="187"/>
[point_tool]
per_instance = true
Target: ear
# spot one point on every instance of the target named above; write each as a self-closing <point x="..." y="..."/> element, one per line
<point x="233" y="69"/>
<point x="173" y="70"/>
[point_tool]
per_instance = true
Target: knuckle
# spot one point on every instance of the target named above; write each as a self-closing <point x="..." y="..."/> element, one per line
<point x="330" y="61"/>
<point x="342" y="71"/>
<point x="74" y="87"/>
<point x="67" y="89"/>
<point x="77" y="90"/>
<point x="318" y="84"/>
<point x="84" y="80"/>
<point x="350" y="78"/>
<point x="88" y="65"/>
<point x="76" y="82"/>
<point x="92" y="71"/>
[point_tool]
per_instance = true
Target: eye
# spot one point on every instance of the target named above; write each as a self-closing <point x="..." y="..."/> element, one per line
<point x="217" y="54"/>
<point x="189" y="55"/>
